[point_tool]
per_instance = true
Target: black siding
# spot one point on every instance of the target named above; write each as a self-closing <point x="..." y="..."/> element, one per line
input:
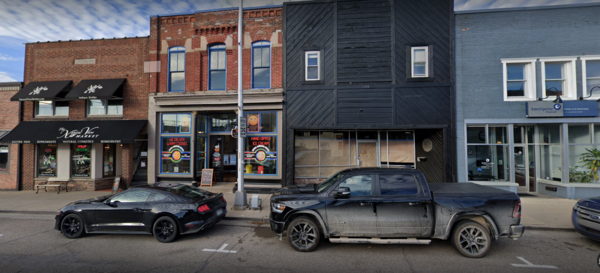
<point x="364" y="47"/>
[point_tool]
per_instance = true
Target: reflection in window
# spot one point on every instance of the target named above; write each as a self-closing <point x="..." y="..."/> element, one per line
<point x="81" y="162"/>
<point x="360" y="185"/>
<point x="592" y="78"/>
<point x="176" y="155"/>
<point x="223" y="122"/>
<point x="176" y="123"/>
<point x="52" y="108"/>
<point x="515" y="80"/>
<point x="261" y="65"/>
<point x="3" y="158"/>
<point x="260" y="155"/>
<point x="488" y="158"/>
<point x="177" y="68"/>
<point x="397" y="184"/>
<point x="217" y="67"/>
<point x="108" y="160"/>
<point x="132" y="196"/>
<point x="47" y="160"/>
<point x="105" y="107"/>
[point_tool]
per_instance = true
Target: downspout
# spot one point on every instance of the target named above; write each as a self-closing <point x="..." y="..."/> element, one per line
<point x="19" y="185"/>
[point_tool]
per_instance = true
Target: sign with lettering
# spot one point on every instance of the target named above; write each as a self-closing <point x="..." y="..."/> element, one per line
<point x="542" y="109"/>
<point x="260" y="151"/>
<point x="242" y="130"/>
<point x="176" y="149"/>
<point x="207" y="177"/>
<point x="115" y="187"/>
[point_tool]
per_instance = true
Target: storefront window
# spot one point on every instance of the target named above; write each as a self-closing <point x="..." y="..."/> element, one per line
<point x="261" y="122"/>
<point x="487" y="159"/>
<point x="201" y="124"/>
<point x="176" y="155"/>
<point x="550" y="154"/>
<point x="201" y="154"/>
<point x="223" y="122"/>
<point x="81" y="162"/>
<point x="401" y="147"/>
<point x="47" y="160"/>
<point x="3" y="158"/>
<point x="176" y="123"/>
<point x="584" y="159"/>
<point x="306" y="153"/>
<point x="108" y="160"/>
<point x="260" y="155"/>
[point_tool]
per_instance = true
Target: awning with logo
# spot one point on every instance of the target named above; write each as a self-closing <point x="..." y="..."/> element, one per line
<point x="43" y="91"/>
<point x="104" y="131"/>
<point x="97" y="90"/>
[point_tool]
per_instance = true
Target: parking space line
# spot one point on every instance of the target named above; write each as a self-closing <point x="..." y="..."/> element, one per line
<point x="220" y="250"/>
<point x="530" y="265"/>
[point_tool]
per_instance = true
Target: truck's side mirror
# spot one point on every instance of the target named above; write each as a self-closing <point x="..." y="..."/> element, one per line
<point x="342" y="192"/>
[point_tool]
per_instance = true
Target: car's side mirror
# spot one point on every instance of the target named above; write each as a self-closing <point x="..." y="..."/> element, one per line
<point x="342" y="192"/>
<point x="113" y="204"/>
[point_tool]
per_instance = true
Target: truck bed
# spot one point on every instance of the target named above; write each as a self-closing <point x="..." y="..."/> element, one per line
<point x="464" y="189"/>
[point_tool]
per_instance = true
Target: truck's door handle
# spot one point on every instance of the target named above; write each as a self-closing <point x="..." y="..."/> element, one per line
<point x="365" y="204"/>
<point x="414" y="203"/>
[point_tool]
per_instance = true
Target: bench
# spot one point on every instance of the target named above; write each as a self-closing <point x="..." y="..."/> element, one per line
<point x="54" y="182"/>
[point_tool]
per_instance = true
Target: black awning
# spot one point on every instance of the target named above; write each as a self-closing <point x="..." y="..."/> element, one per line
<point x="97" y="90"/>
<point x="43" y="91"/>
<point x="105" y="131"/>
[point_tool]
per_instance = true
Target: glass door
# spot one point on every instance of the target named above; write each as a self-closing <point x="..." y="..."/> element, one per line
<point x="368" y="155"/>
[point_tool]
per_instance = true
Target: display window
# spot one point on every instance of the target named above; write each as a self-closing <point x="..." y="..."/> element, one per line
<point x="261" y="122"/>
<point x="201" y="153"/>
<point x="176" y="155"/>
<point x="81" y="160"/>
<point x="176" y="123"/>
<point x="260" y="155"/>
<point x="47" y="160"/>
<point x="3" y="158"/>
<point x="108" y="160"/>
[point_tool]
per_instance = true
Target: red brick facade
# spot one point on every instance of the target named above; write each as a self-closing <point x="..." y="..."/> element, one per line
<point x="112" y="58"/>
<point x="199" y="31"/>
<point x="9" y="118"/>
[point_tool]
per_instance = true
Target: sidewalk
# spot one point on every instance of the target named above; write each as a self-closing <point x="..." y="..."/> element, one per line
<point x="538" y="212"/>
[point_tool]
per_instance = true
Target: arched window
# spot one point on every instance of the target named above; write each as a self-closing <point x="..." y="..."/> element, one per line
<point x="177" y="69"/>
<point x="261" y="64"/>
<point x="217" y="71"/>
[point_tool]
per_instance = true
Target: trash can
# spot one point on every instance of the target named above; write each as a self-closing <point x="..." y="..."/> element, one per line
<point x="248" y="168"/>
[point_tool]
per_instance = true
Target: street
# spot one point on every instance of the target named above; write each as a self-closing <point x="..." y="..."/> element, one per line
<point x="28" y="243"/>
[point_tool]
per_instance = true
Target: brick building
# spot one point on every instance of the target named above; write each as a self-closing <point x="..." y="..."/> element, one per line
<point x="84" y="106"/>
<point x="193" y="94"/>
<point x="9" y="153"/>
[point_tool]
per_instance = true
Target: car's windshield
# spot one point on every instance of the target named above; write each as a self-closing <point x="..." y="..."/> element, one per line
<point x="327" y="183"/>
<point x="188" y="192"/>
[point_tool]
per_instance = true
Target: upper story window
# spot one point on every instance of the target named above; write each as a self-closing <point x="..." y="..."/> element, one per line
<point x="558" y="78"/>
<point x="312" y="69"/>
<point x="419" y="61"/>
<point x="261" y="65"/>
<point x="177" y="69"/>
<point x="591" y="76"/>
<point x="105" y="107"/>
<point x="217" y="74"/>
<point x="46" y="108"/>
<point x="519" y="79"/>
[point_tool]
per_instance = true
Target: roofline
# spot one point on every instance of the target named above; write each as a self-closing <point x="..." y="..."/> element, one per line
<point x="213" y="10"/>
<point x="92" y="39"/>
<point x="581" y="5"/>
<point x="11" y="84"/>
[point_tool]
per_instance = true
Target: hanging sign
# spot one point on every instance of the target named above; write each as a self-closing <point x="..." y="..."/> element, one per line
<point x="542" y="109"/>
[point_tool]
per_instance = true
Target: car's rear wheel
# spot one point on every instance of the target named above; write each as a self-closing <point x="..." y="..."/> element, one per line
<point x="164" y="229"/>
<point x="72" y="226"/>
<point x="303" y="234"/>
<point x="471" y="239"/>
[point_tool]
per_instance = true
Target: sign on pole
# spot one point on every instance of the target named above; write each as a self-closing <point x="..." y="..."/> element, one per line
<point x="242" y="130"/>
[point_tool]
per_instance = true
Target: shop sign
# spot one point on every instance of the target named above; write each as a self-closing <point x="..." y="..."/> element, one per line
<point x="38" y="90"/>
<point x="84" y="133"/>
<point x="177" y="149"/>
<point x="260" y="152"/>
<point x="542" y="109"/>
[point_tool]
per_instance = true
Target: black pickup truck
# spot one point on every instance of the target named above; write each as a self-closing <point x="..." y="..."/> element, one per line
<point x="395" y="206"/>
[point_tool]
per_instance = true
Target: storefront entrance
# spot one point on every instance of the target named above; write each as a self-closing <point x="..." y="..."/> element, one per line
<point x="368" y="155"/>
<point x="524" y="166"/>
<point x="223" y="150"/>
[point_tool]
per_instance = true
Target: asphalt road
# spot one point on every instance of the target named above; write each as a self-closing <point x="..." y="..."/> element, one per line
<point x="28" y="243"/>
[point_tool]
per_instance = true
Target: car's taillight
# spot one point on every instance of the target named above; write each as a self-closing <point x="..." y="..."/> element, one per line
<point x="517" y="211"/>
<point x="223" y="198"/>
<point x="203" y="208"/>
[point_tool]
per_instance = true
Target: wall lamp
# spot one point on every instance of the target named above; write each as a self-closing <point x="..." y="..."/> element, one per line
<point x="558" y="99"/>
<point x="591" y="93"/>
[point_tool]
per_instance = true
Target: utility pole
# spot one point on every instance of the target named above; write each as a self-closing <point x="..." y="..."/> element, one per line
<point x="240" y="194"/>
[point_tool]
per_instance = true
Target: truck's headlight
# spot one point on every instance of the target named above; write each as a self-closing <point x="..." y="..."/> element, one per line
<point x="277" y="207"/>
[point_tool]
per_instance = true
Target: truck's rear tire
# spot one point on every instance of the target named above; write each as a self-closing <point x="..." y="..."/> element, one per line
<point x="471" y="239"/>
<point x="303" y="234"/>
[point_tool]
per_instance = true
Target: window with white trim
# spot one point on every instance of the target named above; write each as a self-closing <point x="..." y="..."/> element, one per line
<point x="46" y="108"/>
<point x="177" y="69"/>
<point x="105" y="107"/>
<point x="558" y="78"/>
<point x="591" y="76"/>
<point x="519" y="79"/>
<point x="312" y="65"/>
<point x="419" y="61"/>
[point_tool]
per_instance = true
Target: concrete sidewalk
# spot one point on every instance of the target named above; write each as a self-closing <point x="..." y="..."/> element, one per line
<point x="538" y="211"/>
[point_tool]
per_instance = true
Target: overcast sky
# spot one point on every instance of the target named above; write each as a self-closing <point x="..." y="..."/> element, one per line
<point x="23" y="21"/>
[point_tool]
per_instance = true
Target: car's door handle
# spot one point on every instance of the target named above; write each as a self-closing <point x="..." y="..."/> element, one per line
<point x="137" y="209"/>
<point x="414" y="203"/>
<point x="365" y="204"/>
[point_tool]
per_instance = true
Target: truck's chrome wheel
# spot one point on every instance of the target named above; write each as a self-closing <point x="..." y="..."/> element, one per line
<point x="303" y="234"/>
<point x="471" y="239"/>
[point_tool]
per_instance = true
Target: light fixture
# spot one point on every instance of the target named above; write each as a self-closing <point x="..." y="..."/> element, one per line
<point x="558" y="99"/>
<point x="541" y="99"/>
<point x="592" y="90"/>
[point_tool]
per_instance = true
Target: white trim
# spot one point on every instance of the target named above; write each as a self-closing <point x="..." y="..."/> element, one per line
<point x="570" y="184"/>
<point x="570" y="88"/>
<point x="530" y="78"/>
<point x="412" y="61"/>
<point x="318" y="65"/>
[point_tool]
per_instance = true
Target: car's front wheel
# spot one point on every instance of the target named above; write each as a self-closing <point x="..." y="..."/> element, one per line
<point x="164" y="229"/>
<point x="303" y="234"/>
<point x="471" y="239"/>
<point x="72" y="226"/>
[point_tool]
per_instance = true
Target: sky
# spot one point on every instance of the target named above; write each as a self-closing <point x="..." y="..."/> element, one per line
<point x="26" y="21"/>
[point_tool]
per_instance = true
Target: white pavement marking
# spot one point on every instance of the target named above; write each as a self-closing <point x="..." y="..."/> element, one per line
<point x="220" y="250"/>
<point x="1" y="235"/>
<point x="530" y="265"/>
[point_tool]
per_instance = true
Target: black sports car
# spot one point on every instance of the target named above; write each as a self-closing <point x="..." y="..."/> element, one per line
<point x="164" y="210"/>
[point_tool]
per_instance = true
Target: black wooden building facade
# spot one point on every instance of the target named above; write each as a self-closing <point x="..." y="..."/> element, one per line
<point x="365" y="85"/>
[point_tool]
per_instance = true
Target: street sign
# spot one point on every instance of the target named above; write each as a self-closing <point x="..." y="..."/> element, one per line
<point x="242" y="131"/>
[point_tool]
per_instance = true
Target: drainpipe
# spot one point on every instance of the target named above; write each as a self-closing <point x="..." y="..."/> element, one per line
<point x="19" y="185"/>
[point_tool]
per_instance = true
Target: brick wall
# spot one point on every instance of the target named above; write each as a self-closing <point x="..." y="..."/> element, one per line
<point x="199" y="31"/>
<point x="9" y="118"/>
<point x="113" y="58"/>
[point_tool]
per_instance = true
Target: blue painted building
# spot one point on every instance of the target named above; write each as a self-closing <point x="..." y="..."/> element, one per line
<point x="527" y="84"/>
